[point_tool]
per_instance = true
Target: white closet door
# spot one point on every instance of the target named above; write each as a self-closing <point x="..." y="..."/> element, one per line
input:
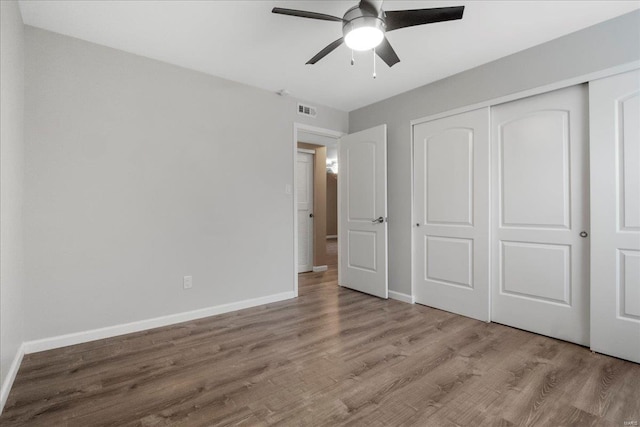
<point x="614" y="105"/>
<point x="451" y="214"/>
<point x="304" y="189"/>
<point x="540" y="185"/>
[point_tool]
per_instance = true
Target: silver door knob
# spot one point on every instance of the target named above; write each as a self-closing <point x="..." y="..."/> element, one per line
<point x="378" y="220"/>
<point x="584" y="234"/>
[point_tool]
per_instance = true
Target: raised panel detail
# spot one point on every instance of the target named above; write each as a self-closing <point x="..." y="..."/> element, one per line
<point x="628" y="155"/>
<point x="449" y="260"/>
<point x="361" y="181"/>
<point x="304" y="246"/>
<point x="534" y="171"/>
<point x="303" y="177"/>
<point x="361" y="248"/>
<point x="534" y="270"/>
<point x="449" y="177"/>
<point x="629" y="284"/>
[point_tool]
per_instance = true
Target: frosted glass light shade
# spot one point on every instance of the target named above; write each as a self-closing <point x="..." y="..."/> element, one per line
<point x="364" y="38"/>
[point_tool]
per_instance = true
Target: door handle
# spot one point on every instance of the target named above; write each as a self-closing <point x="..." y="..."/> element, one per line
<point x="378" y="220"/>
<point x="310" y="215"/>
<point x="584" y="234"/>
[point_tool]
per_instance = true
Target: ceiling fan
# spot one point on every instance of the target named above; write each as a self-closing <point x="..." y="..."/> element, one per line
<point x="364" y="26"/>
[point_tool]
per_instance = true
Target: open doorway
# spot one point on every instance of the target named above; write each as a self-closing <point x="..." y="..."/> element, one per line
<point x="315" y="200"/>
<point x="332" y="207"/>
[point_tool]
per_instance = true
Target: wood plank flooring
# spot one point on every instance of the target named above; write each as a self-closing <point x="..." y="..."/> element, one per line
<point x="330" y="357"/>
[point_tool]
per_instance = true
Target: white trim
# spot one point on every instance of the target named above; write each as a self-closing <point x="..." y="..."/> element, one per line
<point x="319" y="268"/>
<point x="401" y="297"/>
<point x="490" y="215"/>
<point x="11" y="376"/>
<point x="306" y="150"/>
<point x="531" y="92"/>
<point x="340" y="231"/>
<point x="142" y="325"/>
<point x="317" y="131"/>
<point x="413" y="219"/>
<point x="332" y="236"/>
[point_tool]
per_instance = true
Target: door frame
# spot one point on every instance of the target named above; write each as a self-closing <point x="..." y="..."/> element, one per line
<point x="585" y="78"/>
<point x="322" y="132"/>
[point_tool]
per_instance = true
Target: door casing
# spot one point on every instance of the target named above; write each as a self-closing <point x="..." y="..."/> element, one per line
<point x="299" y="128"/>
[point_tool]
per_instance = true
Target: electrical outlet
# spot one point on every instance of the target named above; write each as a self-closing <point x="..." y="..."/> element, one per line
<point x="187" y="282"/>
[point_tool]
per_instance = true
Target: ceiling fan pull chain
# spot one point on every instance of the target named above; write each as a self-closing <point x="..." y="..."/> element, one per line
<point x="374" y="62"/>
<point x="353" y="61"/>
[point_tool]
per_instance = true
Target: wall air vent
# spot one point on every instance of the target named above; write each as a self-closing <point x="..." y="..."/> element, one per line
<point x="307" y="110"/>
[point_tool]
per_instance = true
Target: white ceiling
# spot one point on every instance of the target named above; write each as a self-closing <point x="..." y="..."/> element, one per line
<point x="245" y="42"/>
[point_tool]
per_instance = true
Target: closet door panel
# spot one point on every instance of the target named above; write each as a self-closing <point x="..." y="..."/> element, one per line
<point x="614" y="105"/>
<point x="451" y="222"/>
<point x="534" y="178"/>
<point x="448" y="160"/>
<point x="540" y="181"/>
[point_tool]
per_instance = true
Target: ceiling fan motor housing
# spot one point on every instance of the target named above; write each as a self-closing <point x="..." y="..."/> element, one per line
<point x="357" y="17"/>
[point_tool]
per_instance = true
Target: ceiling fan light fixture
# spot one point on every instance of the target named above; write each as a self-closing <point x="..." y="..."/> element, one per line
<point x="363" y="32"/>
<point x="364" y="38"/>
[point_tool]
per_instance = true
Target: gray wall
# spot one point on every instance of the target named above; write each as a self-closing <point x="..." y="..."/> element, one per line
<point x="602" y="46"/>
<point x="140" y="172"/>
<point x="11" y="183"/>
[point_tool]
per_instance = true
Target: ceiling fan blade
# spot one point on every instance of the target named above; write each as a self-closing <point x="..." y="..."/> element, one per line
<point x="386" y="53"/>
<point x="305" y="14"/>
<point x="327" y="50"/>
<point x="408" y="18"/>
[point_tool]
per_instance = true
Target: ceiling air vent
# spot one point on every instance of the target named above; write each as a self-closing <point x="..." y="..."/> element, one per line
<point x="307" y="110"/>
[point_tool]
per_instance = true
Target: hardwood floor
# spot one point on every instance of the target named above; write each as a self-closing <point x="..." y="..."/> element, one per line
<point x="330" y="357"/>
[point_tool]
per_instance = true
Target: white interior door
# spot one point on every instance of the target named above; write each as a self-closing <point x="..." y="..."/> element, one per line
<point x="540" y="186"/>
<point x="451" y="214"/>
<point x="362" y="229"/>
<point x="614" y="109"/>
<point x="304" y="188"/>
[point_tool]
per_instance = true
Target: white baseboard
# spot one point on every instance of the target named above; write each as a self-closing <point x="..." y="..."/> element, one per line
<point x="11" y="376"/>
<point x="332" y="236"/>
<point x="127" y="328"/>
<point x="401" y="297"/>
<point x="319" y="268"/>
